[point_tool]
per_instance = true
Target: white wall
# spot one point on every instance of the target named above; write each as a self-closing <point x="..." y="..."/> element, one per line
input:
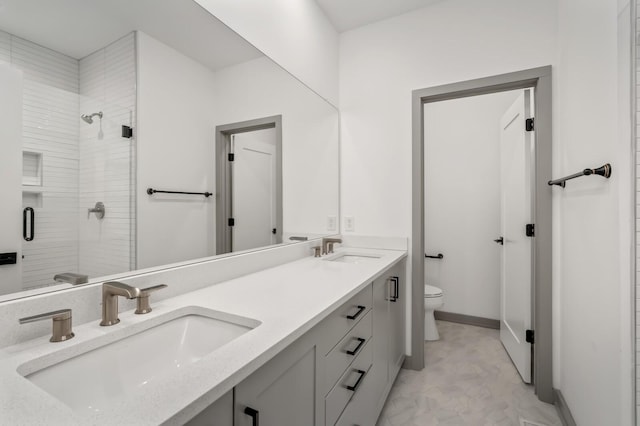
<point x="310" y="175"/>
<point x="462" y="201"/>
<point x="462" y="39"/>
<point x="380" y="64"/>
<point x="295" y="34"/>
<point x="592" y="225"/>
<point x="175" y="152"/>
<point x="180" y="102"/>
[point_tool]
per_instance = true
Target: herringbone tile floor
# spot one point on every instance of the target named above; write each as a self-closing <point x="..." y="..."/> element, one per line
<point x="468" y="380"/>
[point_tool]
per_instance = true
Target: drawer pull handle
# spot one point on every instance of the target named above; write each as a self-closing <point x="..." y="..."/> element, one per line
<point x="354" y="388"/>
<point x="357" y="314"/>
<point x="396" y="289"/>
<point x="254" y="414"/>
<point x="355" y="351"/>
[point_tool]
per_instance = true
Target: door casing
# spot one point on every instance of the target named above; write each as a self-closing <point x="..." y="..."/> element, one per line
<point x="540" y="80"/>
<point x="223" y="175"/>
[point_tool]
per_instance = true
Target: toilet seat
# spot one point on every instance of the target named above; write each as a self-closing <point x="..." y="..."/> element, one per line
<point x="431" y="291"/>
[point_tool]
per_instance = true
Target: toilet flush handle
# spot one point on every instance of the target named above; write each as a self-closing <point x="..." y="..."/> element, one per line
<point x="500" y="241"/>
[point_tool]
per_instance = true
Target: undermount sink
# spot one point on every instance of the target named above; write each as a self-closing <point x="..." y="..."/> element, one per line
<point x="98" y="378"/>
<point x="352" y="258"/>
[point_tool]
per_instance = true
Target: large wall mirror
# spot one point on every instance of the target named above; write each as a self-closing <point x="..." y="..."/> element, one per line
<point x="142" y="133"/>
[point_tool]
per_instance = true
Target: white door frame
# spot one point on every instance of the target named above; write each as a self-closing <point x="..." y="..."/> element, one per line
<point x="540" y="80"/>
<point x="223" y="176"/>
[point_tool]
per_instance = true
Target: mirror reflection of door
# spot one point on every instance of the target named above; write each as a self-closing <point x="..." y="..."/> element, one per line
<point x="249" y="184"/>
<point x="253" y="184"/>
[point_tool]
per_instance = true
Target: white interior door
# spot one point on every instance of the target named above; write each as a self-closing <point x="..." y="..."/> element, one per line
<point x="253" y="192"/>
<point x="11" y="176"/>
<point x="516" y="213"/>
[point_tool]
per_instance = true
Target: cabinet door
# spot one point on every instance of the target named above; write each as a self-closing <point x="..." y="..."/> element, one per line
<point x="220" y="413"/>
<point x="379" y="374"/>
<point x="282" y="392"/>
<point x="397" y="302"/>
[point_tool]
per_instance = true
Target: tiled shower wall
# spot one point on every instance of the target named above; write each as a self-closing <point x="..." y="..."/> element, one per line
<point x="107" y="84"/>
<point x="50" y="132"/>
<point x="80" y="163"/>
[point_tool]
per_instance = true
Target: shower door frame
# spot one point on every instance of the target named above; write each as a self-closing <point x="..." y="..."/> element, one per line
<point x="540" y="80"/>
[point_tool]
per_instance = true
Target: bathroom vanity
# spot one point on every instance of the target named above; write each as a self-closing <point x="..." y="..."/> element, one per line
<point x="338" y="373"/>
<point x="315" y="341"/>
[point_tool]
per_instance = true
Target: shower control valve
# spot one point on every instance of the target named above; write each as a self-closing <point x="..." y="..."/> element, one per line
<point x="99" y="210"/>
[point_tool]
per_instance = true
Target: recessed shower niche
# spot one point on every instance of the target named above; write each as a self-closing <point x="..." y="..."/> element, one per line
<point x="31" y="168"/>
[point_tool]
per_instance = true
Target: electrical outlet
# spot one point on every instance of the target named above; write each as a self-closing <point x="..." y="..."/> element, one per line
<point x="349" y="224"/>
<point x="331" y="223"/>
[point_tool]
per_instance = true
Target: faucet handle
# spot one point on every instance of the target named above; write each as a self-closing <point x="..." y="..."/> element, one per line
<point x="142" y="301"/>
<point x="61" y="323"/>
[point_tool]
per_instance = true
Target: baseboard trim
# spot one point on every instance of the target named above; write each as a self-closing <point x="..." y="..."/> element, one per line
<point x="563" y="409"/>
<point x="468" y="319"/>
<point x="410" y="363"/>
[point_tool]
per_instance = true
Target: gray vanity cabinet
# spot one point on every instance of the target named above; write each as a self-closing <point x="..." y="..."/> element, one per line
<point x="397" y="309"/>
<point x="338" y="373"/>
<point x="283" y="391"/>
<point x="220" y="413"/>
<point x="388" y="331"/>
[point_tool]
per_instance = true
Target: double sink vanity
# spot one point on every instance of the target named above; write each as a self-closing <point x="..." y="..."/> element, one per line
<point x="313" y="341"/>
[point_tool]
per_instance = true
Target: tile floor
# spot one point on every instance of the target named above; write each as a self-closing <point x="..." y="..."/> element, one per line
<point x="468" y="380"/>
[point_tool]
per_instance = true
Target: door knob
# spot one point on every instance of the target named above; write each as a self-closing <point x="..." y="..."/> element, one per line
<point x="500" y="241"/>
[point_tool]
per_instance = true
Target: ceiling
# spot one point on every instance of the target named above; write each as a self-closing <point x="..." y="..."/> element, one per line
<point x="349" y="14"/>
<point x="78" y="28"/>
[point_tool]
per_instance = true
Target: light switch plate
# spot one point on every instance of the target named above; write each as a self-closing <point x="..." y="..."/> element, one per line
<point x="331" y="223"/>
<point x="349" y="224"/>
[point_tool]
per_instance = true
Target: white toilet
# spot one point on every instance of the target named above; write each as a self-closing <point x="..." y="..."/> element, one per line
<point x="433" y="300"/>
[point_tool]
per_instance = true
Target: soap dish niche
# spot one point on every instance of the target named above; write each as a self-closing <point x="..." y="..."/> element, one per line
<point x="31" y="168"/>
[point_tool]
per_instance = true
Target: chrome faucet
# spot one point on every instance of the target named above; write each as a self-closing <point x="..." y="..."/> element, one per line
<point x="327" y="244"/>
<point x="110" y="292"/>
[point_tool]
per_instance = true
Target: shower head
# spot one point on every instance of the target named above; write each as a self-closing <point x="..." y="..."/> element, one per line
<point x="88" y="118"/>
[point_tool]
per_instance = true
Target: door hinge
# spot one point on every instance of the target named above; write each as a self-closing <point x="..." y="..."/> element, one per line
<point x="231" y="156"/>
<point x="231" y="222"/>
<point x="528" y="124"/>
<point x="530" y="337"/>
<point x="127" y="132"/>
<point x="531" y="230"/>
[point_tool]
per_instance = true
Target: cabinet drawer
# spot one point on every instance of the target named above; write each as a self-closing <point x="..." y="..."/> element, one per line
<point x="348" y="385"/>
<point x="345" y="318"/>
<point x="361" y="410"/>
<point x="347" y="350"/>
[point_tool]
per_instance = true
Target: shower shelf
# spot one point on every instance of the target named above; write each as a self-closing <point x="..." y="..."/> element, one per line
<point x="31" y="168"/>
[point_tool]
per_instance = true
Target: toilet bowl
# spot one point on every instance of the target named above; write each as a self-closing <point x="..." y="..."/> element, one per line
<point x="433" y="300"/>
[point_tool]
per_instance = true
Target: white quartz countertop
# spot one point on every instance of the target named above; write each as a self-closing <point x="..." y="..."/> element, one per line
<point x="288" y="300"/>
